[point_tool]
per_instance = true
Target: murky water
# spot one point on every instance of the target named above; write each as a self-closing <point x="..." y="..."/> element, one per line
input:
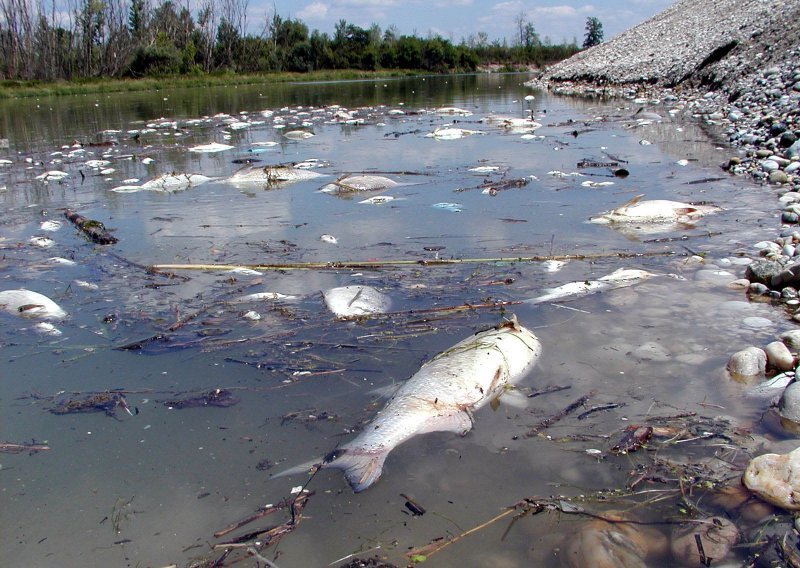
<point x="150" y="489"/>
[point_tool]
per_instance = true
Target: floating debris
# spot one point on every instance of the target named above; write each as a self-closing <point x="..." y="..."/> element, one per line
<point x="50" y="226"/>
<point x="95" y="230"/>
<point x="47" y="328"/>
<point x="30" y="304"/>
<point x="221" y="398"/>
<point x="107" y="402"/>
<point x="260" y="296"/>
<point x="298" y="134"/>
<point x="452" y="111"/>
<point x="441" y="396"/>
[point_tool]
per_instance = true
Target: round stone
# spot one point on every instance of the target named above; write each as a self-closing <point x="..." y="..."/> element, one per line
<point x="756" y="322"/>
<point x="748" y="362"/>
<point x="777" y="176"/>
<point x="789" y="405"/>
<point x="791" y="338"/>
<point x="779" y="356"/>
<point x="717" y="536"/>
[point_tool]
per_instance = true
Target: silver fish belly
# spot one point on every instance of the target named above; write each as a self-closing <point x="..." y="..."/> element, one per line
<point x="440" y="397"/>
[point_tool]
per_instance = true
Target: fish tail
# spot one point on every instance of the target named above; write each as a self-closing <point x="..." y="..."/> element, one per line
<point x="361" y="469"/>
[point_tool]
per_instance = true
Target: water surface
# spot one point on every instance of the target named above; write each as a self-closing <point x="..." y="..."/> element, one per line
<point x="151" y="489"/>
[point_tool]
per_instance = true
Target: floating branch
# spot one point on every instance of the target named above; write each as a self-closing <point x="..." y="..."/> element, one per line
<point x="12" y="448"/>
<point x="95" y="230"/>
<point x="547" y="422"/>
<point x="364" y="264"/>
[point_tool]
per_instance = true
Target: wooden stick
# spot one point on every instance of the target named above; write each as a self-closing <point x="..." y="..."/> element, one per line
<point x="547" y="422"/>
<point x="95" y="230"/>
<point x="11" y="448"/>
<point x="459" y="308"/>
<point x="361" y="264"/>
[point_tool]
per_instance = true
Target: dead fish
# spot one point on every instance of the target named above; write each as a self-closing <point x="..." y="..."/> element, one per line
<point x="451" y="133"/>
<point x="165" y="182"/>
<point x="654" y="211"/>
<point x="298" y="134"/>
<point x="211" y="148"/>
<point x="356" y="183"/>
<point x="271" y="175"/>
<point x="29" y="304"/>
<point x="348" y="301"/>
<point x="440" y="397"/>
<point x="620" y="278"/>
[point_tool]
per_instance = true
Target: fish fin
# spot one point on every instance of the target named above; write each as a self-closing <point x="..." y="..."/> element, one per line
<point x="631" y="202"/>
<point x="361" y="469"/>
<point x="514" y="398"/>
<point x="302" y="468"/>
<point x="458" y="422"/>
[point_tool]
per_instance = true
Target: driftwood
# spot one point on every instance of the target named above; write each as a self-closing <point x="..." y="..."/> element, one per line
<point x="547" y="422"/>
<point x="367" y="264"/>
<point x="12" y="448"/>
<point x="95" y="230"/>
<point x="269" y="535"/>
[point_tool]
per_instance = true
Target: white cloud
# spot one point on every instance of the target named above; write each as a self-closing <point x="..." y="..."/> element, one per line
<point x="313" y="11"/>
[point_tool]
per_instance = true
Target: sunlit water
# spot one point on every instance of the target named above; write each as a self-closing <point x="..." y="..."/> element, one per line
<point x="152" y="488"/>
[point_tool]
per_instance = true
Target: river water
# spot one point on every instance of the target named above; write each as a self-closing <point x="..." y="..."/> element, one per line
<point x="150" y="487"/>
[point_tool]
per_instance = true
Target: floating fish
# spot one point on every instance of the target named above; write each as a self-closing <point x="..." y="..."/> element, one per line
<point x="52" y="175"/>
<point x="453" y="111"/>
<point x="452" y="207"/>
<point x="451" y="133"/>
<point x="211" y="148"/>
<point x="166" y="182"/>
<point x="260" y="296"/>
<point x="50" y="226"/>
<point x="348" y="301"/>
<point x="26" y="303"/>
<point x="441" y="397"/>
<point x="330" y="239"/>
<point x="356" y="183"/>
<point x="270" y="175"/>
<point x="620" y="278"/>
<point x="297" y="134"/>
<point x="654" y="211"/>
<point x="41" y="242"/>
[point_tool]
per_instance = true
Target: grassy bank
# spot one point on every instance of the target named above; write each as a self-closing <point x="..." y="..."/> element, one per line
<point x="15" y="89"/>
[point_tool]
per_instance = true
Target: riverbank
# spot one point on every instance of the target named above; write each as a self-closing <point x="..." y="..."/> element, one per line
<point x="17" y="89"/>
<point x="733" y="65"/>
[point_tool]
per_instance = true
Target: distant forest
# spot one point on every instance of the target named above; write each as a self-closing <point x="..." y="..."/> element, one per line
<point x="83" y="39"/>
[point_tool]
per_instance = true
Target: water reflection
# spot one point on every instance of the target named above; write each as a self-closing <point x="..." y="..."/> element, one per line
<point x="153" y="487"/>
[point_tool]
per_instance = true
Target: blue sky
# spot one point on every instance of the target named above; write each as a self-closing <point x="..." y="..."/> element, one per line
<point x="456" y="19"/>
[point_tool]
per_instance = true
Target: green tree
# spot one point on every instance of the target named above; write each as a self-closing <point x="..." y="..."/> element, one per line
<point x="594" y="32"/>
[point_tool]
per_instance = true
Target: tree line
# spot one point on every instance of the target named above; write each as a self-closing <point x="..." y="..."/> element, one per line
<point x="79" y="39"/>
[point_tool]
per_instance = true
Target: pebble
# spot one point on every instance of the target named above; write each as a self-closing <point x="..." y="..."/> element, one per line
<point x="775" y="478"/>
<point x="756" y="322"/>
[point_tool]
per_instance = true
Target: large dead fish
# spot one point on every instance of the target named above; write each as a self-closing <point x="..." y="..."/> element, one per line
<point x="29" y="304"/>
<point x="440" y="397"/>
<point x="654" y="211"/>
<point x="620" y="278"/>
<point x="271" y="175"/>
<point x="356" y="183"/>
<point x="166" y="182"/>
<point x="346" y="301"/>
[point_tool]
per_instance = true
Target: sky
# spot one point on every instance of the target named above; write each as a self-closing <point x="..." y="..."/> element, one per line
<point x="558" y="20"/>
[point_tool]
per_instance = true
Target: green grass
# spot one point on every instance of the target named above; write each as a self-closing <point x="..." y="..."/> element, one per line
<point x="16" y="89"/>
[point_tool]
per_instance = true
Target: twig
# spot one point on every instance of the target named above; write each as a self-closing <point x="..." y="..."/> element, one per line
<point x="365" y="264"/>
<point x="459" y="308"/>
<point x="547" y="390"/>
<point x="547" y="422"/>
<point x="95" y="230"/>
<point x="11" y="448"/>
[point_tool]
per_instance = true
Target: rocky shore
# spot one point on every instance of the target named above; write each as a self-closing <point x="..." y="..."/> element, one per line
<point x="734" y="64"/>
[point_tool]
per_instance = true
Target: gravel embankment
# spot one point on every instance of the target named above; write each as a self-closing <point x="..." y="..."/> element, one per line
<point x="734" y="64"/>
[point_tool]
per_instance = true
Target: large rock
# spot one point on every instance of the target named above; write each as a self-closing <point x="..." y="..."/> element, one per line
<point x="763" y="271"/>
<point x="775" y="478"/>
<point x="749" y="362"/>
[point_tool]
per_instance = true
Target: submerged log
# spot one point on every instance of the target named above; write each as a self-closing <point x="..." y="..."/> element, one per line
<point x="95" y="230"/>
